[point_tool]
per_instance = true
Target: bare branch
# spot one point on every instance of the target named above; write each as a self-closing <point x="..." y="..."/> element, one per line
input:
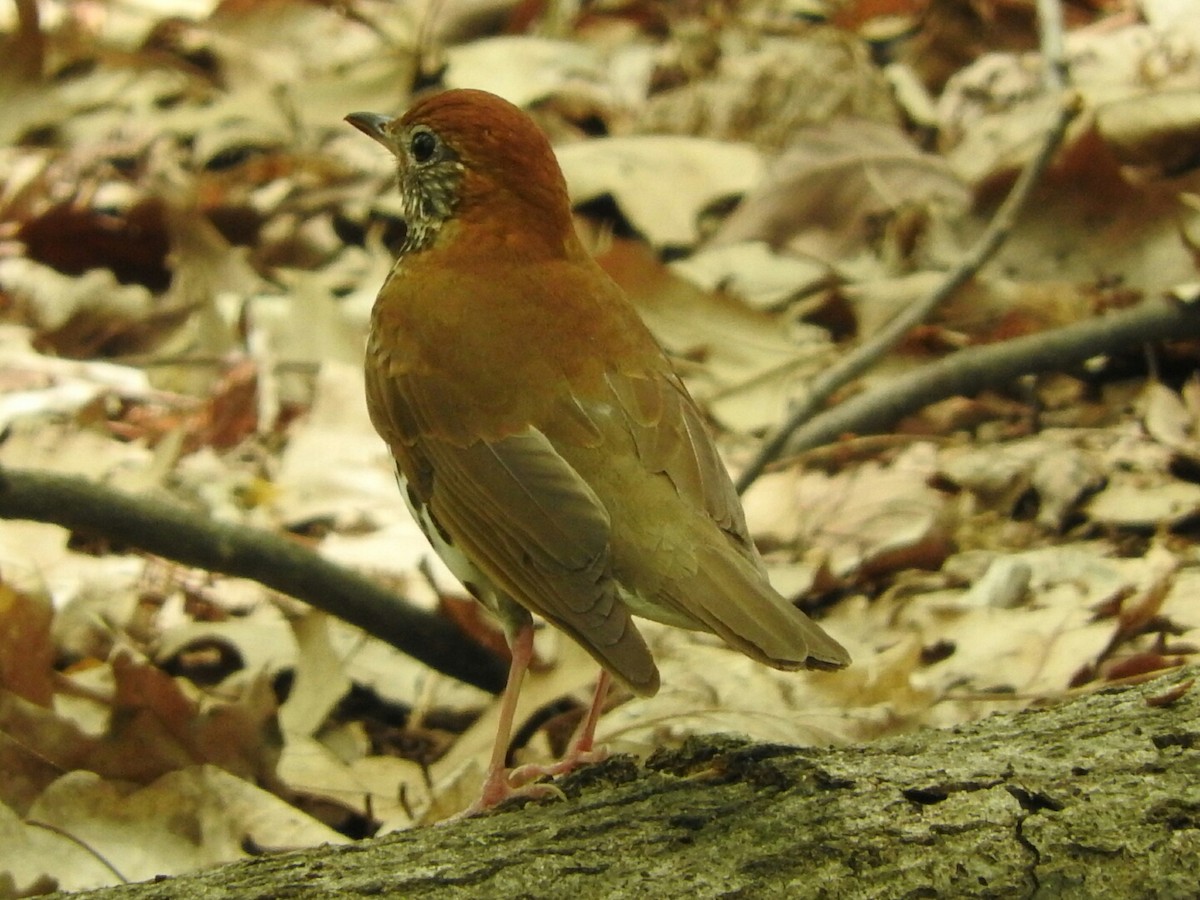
<point x="180" y="534"/>
<point x="969" y="371"/>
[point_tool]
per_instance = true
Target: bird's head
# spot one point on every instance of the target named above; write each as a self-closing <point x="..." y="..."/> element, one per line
<point x="471" y="156"/>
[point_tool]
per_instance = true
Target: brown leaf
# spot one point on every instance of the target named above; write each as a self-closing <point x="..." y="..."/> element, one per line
<point x="1169" y="696"/>
<point x="74" y="239"/>
<point x="26" y="650"/>
<point x="820" y="197"/>
<point x="156" y="727"/>
<point x="36" y="747"/>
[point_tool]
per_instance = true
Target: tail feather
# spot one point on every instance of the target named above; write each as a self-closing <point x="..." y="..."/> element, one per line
<point x="732" y="598"/>
<point x="626" y="657"/>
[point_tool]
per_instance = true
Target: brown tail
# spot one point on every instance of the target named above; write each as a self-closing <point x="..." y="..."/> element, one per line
<point x="733" y="599"/>
<point x="626" y="657"/>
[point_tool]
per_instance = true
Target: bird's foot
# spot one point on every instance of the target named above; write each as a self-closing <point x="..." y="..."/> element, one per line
<point x="579" y="756"/>
<point x="499" y="787"/>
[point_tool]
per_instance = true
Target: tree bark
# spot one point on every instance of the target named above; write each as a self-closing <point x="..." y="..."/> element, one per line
<point x="1099" y="796"/>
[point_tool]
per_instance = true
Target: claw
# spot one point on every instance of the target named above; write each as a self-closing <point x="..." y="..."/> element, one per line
<point x="522" y="775"/>
<point x="500" y="784"/>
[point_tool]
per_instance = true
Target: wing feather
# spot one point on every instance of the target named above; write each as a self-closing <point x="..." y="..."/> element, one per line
<point x="524" y="517"/>
<point x="537" y="529"/>
<point x="713" y="577"/>
<point x="670" y="436"/>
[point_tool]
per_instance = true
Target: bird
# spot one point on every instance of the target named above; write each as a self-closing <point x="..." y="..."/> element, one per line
<point x="541" y="437"/>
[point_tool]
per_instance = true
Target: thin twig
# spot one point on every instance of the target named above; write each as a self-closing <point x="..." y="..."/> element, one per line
<point x="993" y="237"/>
<point x="1054" y="55"/>
<point x="180" y="534"/>
<point x="82" y="844"/>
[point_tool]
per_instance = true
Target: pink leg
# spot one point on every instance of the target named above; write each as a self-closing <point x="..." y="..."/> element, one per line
<point x="496" y="788"/>
<point x="500" y="783"/>
<point x="581" y="751"/>
<point x="587" y="728"/>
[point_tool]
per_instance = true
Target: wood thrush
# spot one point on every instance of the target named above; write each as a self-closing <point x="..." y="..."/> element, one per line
<point x="542" y="439"/>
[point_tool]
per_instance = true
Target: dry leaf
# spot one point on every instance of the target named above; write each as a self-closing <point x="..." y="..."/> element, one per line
<point x="661" y="183"/>
<point x="820" y="196"/>
<point x="522" y="69"/>
<point x="185" y="820"/>
<point x="26" y="651"/>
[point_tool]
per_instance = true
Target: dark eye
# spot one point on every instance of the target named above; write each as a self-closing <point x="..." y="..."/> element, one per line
<point x="422" y="146"/>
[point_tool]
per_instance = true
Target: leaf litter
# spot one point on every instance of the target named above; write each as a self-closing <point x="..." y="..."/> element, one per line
<point x="189" y="244"/>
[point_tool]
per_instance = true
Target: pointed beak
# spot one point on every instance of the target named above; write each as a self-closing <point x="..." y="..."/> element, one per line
<point x="372" y="125"/>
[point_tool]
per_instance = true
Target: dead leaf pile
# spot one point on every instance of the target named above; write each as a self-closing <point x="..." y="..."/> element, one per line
<point x="190" y="242"/>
